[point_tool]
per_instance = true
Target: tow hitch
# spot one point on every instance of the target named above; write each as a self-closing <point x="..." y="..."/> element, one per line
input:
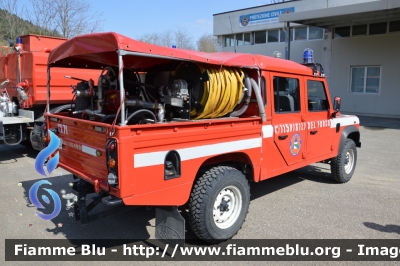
<point x="82" y="209"/>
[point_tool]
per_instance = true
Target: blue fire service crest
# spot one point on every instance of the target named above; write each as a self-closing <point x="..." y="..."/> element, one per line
<point x="295" y="144"/>
<point x="244" y="20"/>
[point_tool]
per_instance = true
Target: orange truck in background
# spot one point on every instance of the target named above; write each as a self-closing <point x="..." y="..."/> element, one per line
<point x="169" y="128"/>
<point x="23" y="82"/>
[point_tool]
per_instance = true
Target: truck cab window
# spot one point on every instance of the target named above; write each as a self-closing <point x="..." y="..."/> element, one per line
<point x="286" y="95"/>
<point x="316" y="96"/>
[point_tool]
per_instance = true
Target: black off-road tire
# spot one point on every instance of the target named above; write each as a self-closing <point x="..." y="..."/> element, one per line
<point x="219" y="203"/>
<point x="344" y="164"/>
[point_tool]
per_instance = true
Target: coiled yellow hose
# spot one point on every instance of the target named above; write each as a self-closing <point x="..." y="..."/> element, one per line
<point x="221" y="92"/>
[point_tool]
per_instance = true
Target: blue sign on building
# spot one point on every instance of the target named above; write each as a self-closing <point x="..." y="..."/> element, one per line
<point x="263" y="17"/>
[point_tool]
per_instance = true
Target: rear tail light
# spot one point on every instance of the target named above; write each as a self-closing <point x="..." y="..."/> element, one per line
<point x="112" y="147"/>
<point x="112" y="162"/>
<point x="45" y="137"/>
<point x="112" y="179"/>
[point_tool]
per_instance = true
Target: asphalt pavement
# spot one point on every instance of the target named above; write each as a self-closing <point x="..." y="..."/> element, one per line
<point x="303" y="204"/>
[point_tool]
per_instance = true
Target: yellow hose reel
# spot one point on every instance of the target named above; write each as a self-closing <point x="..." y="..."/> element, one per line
<point x="222" y="91"/>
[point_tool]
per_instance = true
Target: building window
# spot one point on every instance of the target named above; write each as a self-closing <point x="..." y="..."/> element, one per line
<point x="315" y="33"/>
<point x="229" y="40"/>
<point x="394" y="26"/>
<point x="282" y="36"/>
<point x="260" y="37"/>
<point x="300" y="33"/>
<point x="371" y="29"/>
<point x="246" y="38"/>
<point x="359" y="30"/>
<point x="239" y="39"/>
<point x="377" y="28"/>
<point x="273" y="36"/>
<point x="342" y="32"/>
<point x="365" y="79"/>
<point x="243" y="39"/>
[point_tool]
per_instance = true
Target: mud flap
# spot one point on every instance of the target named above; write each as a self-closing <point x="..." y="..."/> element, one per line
<point x="36" y="136"/>
<point x="170" y="226"/>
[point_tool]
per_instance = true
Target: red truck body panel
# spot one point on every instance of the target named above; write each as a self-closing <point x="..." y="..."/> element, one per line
<point x="142" y="150"/>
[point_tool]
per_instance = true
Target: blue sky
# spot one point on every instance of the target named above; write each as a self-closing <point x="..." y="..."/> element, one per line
<point x="134" y="18"/>
<point x="139" y="17"/>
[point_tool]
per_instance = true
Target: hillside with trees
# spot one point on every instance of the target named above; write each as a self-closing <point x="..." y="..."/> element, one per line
<point x="69" y="18"/>
<point x="12" y="26"/>
<point x="60" y="18"/>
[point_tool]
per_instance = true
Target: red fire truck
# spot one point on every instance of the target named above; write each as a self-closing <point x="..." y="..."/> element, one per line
<point x="170" y="127"/>
<point x="23" y="79"/>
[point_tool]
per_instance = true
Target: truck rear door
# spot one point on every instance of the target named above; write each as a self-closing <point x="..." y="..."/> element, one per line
<point x="82" y="149"/>
<point x="288" y="117"/>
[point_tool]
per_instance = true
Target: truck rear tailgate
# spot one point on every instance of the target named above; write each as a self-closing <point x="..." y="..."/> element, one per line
<point x="82" y="149"/>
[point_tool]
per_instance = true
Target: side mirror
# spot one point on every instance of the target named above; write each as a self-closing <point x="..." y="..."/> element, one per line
<point x="336" y="104"/>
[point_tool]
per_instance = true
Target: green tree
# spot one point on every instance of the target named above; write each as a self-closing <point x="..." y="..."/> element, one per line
<point x="207" y="43"/>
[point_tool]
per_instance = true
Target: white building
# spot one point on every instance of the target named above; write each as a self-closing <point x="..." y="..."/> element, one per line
<point x="357" y="41"/>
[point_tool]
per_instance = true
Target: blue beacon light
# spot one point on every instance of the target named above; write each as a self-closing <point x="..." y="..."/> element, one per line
<point x="308" y="56"/>
<point x="18" y="43"/>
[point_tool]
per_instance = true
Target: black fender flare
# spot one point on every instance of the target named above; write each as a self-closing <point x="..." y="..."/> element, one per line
<point x="351" y="132"/>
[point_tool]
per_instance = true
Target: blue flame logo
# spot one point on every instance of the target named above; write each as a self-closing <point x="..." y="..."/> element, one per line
<point x="35" y="201"/>
<point x="45" y="153"/>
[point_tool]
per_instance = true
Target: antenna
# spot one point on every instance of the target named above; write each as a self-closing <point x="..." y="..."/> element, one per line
<point x="234" y="39"/>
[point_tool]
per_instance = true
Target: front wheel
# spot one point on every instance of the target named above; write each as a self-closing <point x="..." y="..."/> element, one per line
<point x="219" y="203"/>
<point x="344" y="164"/>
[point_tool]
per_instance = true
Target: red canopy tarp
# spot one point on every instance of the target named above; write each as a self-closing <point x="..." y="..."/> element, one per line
<point x="98" y="50"/>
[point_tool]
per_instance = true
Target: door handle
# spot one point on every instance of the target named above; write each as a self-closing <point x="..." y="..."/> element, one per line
<point x="282" y="137"/>
<point x="313" y="132"/>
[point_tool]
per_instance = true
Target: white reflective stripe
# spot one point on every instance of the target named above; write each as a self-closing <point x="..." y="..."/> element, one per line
<point x="158" y="157"/>
<point x="268" y="131"/>
<point x="88" y="150"/>
<point x="345" y="121"/>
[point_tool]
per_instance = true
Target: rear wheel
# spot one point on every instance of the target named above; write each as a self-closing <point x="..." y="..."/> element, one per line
<point x="344" y="164"/>
<point x="219" y="203"/>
